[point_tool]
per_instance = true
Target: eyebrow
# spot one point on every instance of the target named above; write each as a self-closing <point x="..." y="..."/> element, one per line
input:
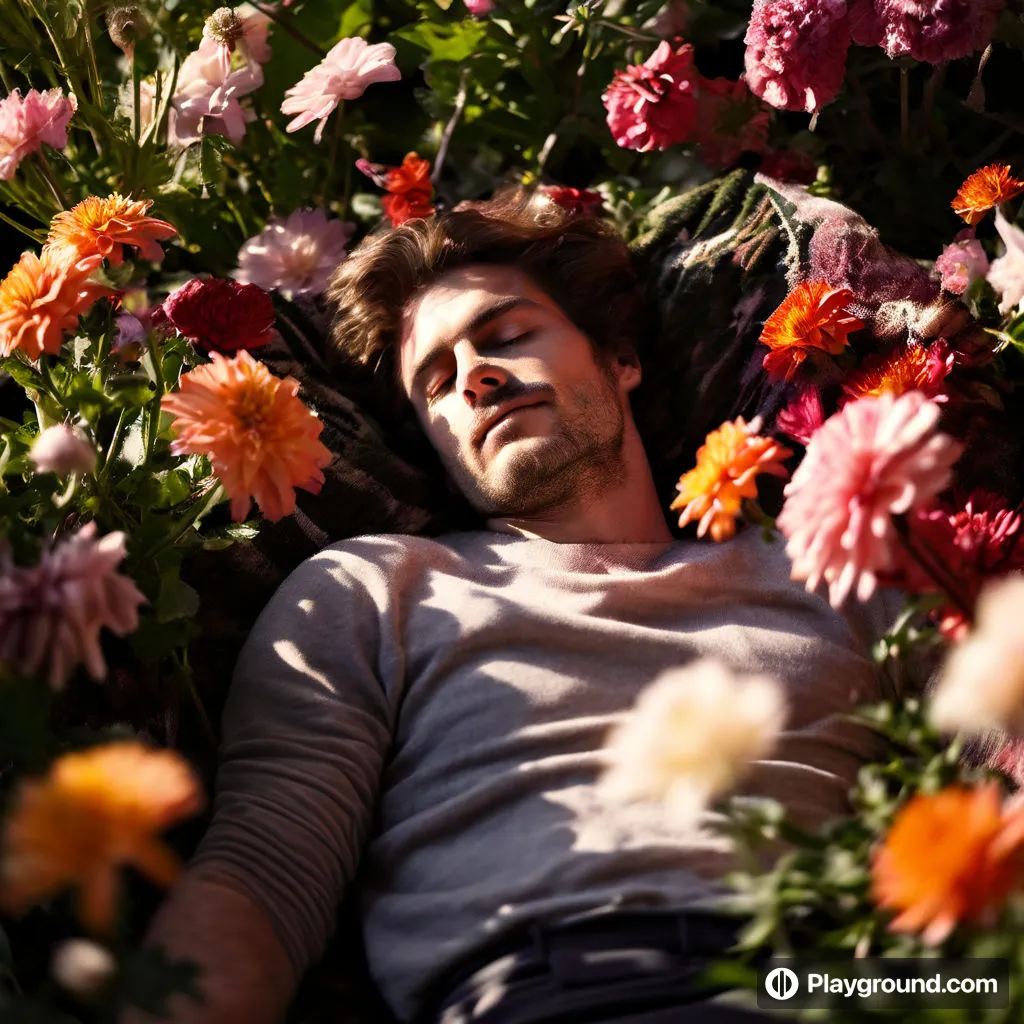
<point x="484" y="317"/>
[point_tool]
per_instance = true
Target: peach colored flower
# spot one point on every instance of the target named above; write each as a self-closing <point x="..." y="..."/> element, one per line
<point x="41" y="298"/>
<point x="950" y="857"/>
<point x="984" y="190"/>
<point x="27" y="123"/>
<point x="728" y="463"/>
<point x="52" y="613"/>
<point x="344" y="74"/>
<point x="95" y="811"/>
<point x="875" y="458"/>
<point x="261" y="440"/>
<point x="103" y="227"/>
<point x="61" y="450"/>
<point x="812" y="316"/>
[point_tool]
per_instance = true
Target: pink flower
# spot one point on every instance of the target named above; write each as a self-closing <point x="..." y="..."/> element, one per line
<point x="672" y="20"/>
<point x="926" y="30"/>
<point x="479" y="8"/>
<point x="803" y="417"/>
<point x="207" y="98"/>
<point x="962" y="263"/>
<point x="296" y="255"/>
<point x="652" y="105"/>
<point x="875" y="458"/>
<point x="796" y="52"/>
<point x="730" y="121"/>
<point x="51" y="614"/>
<point x="789" y="165"/>
<point x="61" y="450"/>
<point x="1006" y="274"/>
<point x="25" y="124"/>
<point x="255" y="28"/>
<point x="578" y="201"/>
<point x="344" y="74"/>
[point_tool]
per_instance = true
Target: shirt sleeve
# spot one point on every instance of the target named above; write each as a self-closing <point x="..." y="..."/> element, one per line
<point x="307" y="726"/>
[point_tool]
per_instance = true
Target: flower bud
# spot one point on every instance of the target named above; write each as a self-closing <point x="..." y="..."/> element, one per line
<point x="82" y="967"/>
<point x="224" y="26"/>
<point x="125" y="25"/>
<point x="62" y="451"/>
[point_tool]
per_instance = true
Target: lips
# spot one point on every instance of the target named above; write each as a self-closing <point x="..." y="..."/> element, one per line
<point x="500" y="413"/>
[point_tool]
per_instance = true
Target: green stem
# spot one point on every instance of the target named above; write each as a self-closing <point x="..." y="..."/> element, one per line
<point x="190" y="685"/>
<point x="199" y="509"/>
<point x="47" y="172"/>
<point x="114" y="448"/>
<point x="335" y="139"/>
<point x="20" y="227"/>
<point x="95" y="82"/>
<point x="449" y="128"/>
<point x="137" y="99"/>
<point x="154" y="407"/>
<point x="287" y="25"/>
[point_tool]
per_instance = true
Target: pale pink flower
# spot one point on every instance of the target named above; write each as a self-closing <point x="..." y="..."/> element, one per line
<point x="208" y="94"/>
<point x="875" y="458"/>
<point x="1006" y="274"/>
<point x="479" y="8"/>
<point x="926" y="30"/>
<point x="344" y="74"/>
<point x="294" y="255"/>
<point x="653" y="105"/>
<point x="796" y="52"/>
<point x="255" y="29"/>
<point x="962" y="263"/>
<point x="61" y="450"/>
<point x="51" y="614"/>
<point x="28" y="122"/>
<point x="671" y="22"/>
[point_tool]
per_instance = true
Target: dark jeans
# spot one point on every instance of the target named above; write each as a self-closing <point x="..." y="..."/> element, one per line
<point x="632" y="967"/>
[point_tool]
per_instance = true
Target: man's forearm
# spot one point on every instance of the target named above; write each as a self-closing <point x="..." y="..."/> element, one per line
<point x="246" y="976"/>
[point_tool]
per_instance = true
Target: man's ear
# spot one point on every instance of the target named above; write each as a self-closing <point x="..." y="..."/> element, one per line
<point x="626" y="364"/>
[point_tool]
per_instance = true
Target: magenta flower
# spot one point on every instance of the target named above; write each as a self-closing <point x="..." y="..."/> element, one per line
<point x="51" y="614"/>
<point x="295" y="255"/>
<point x="962" y="263"/>
<point x="207" y="98"/>
<point x="344" y="74"/>
<point x="875" y="458"/>
<point x="803" y="417"/>
<point x="26" y="123"/>
<point x="796" y="52"/>
<point x="932" y="31"/>
<point x="479" y="8"/>
<point x="652" y="105"/>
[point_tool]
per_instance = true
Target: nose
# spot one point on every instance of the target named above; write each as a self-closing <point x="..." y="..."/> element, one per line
<point x="477" y="376"/>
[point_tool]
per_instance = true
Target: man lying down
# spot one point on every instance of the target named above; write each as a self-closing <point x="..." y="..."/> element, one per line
<point x="434" y="710"/>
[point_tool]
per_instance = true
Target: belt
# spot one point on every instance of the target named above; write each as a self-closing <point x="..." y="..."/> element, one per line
<point x="580" y="950"/>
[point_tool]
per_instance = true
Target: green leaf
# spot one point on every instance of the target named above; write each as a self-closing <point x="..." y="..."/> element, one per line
<point x="456" y="42"/>
<point x="177" y="600"/>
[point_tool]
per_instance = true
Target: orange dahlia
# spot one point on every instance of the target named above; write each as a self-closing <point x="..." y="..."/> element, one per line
<point x="103" y="227"/>
<point x="812" y="316"/>
<point x="949" y="857"/>
<point x="41" y="298"/>
<point x="95" y="811"/>
<point x="984" y="190"/>
<point x="260" y="438"/>
<point x="911" y="368"/>
<point x="728" y="463"/>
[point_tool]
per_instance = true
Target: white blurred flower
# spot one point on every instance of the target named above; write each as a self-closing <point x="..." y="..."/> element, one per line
<point x="981" y="684"/>
<point x="62" y="450"/>
<point x="1006" y="273"/>
<point x="82" y="967"/>
<point x="691" y="736"/>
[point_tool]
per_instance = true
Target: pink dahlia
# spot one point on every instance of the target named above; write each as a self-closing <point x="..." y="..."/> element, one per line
<point x="796" y="52"/>
<point x="932" y="31"/>
<point x="51" y="614"/>
<point x="295" y="255"/>
<point x="653" y="105"/>
<point x="803" y="417"/>
<point x="962" y="263"/>
<point x="479" y="8"/>
<point x="344" y="74"/>
<point x="730" y="121"/>
<point x="26" y="123"/>
<point x="207" y="100"/>
<point x="875" y="458"/>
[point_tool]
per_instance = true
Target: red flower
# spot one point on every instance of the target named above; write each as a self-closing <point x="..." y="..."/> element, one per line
<point x="407" y="206"/>
<point x="730" y="121"/>
<point x="789" y="165"/>
<point x="576" y="200"/>
<point x="223" y="316"/>
<point x="409" y="184"/>
<point x="652" y="105"/>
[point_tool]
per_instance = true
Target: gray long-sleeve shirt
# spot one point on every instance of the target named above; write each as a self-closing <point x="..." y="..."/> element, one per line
<point x="436" y="710"/>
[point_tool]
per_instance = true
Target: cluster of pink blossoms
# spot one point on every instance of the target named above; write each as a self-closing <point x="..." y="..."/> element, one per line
<point x="29" y="121"/>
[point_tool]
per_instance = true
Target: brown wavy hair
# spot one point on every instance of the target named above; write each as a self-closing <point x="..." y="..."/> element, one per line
<point x="581" y="262"/>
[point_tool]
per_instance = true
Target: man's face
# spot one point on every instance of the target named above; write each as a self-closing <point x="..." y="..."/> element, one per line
<point x="525" y="415"/>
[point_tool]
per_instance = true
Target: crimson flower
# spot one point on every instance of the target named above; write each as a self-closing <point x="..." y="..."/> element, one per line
<point x="575" y="200"/>
<point x="219" y="315"/>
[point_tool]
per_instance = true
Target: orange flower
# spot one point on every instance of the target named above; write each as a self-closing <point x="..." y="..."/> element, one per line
<point x="102" y="227"/>
<point x="411" y="190"/>
<point x="911" y="368"/>
<point x="812" y="316"/>
<point x="261" y="439"/>
<point x="41" y="298"/>
<point x="95" y="811"/>
<point x="949" y="857"/>
<point x="727" y="466"/>
<point x="984" y="190"/>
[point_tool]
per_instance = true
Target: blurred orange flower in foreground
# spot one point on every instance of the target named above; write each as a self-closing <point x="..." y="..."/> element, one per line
<point x="103" y="227"/>
<point x="41" y="298"/>
<point x="984" y="190"/>
<point x="728" y="463"/>
<point x="950" y="857"/>
<point x="95" y="811"/>
<point x="261" y="440"/>
<point x="812" y="316"/>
